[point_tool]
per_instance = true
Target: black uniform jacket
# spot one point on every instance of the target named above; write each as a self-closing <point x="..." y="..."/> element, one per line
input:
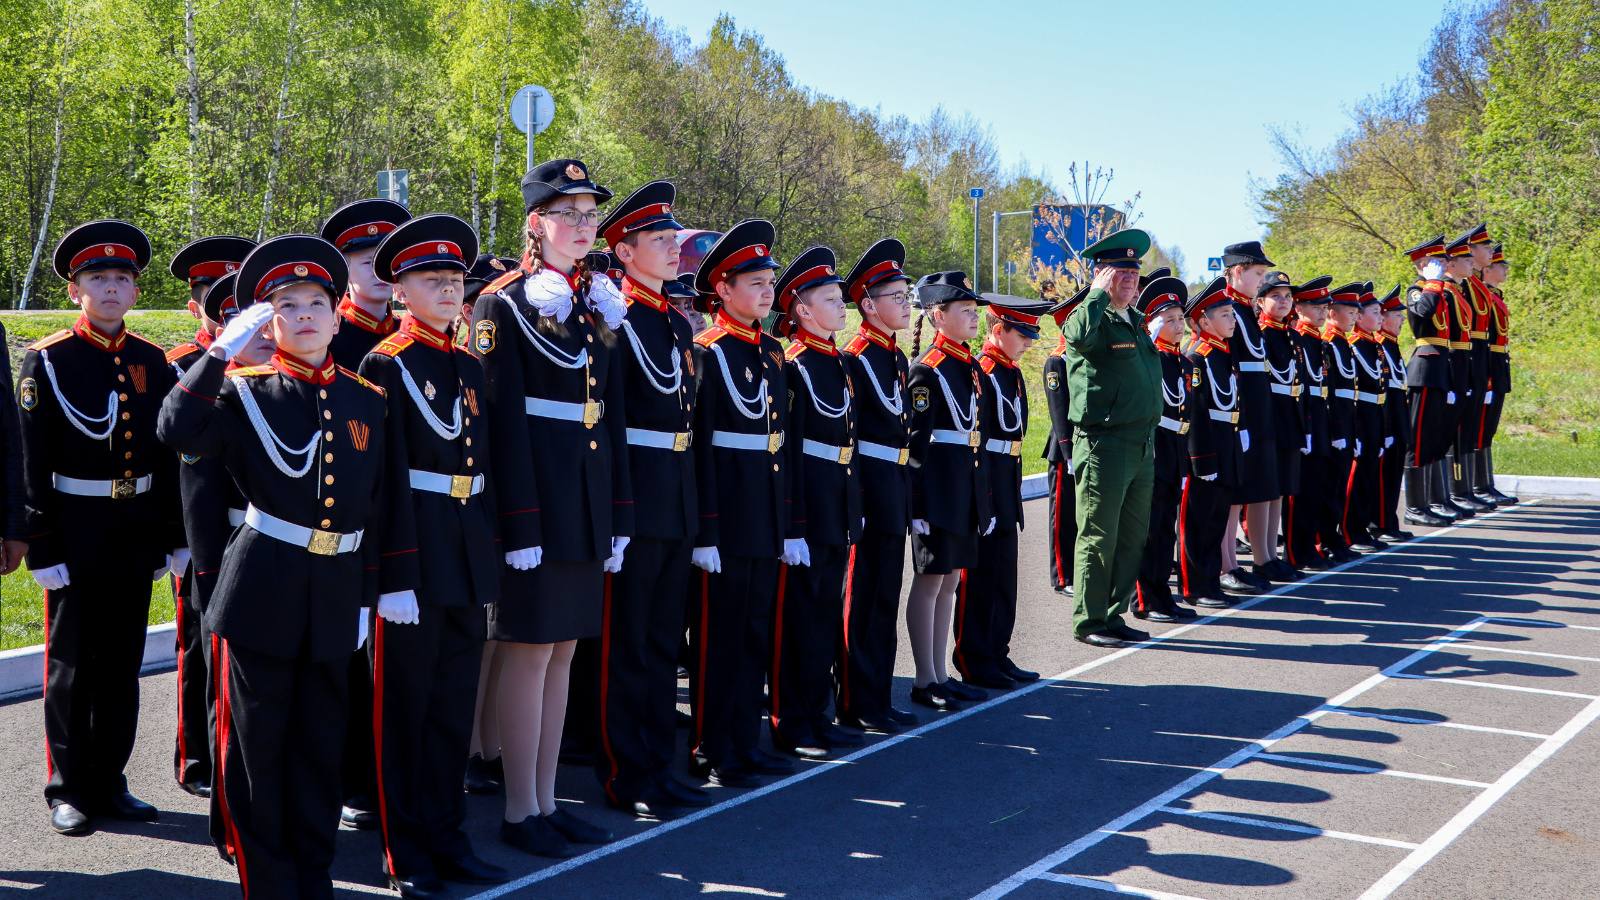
<point x="359" y="331"/>
<point x="1003" y="406"/>
<point x="949" y="485"/>
<point x="1429" y="317"/>
<point x="1339" y="373"/>
<point x="562" y="485"/>
<point x="1462" y="375"/>
<point x="1214" y="446"/>
<point x="658" y="387"/>
<point x="120" y="381"/>
<point x="1249" y="352"/>
<point x="1058" y="402"/>
<point x="443" y="547"/>
<point x="274" y="597"/>
<point x="209" y="498"/>
<point x="1314" y="380"/>
<point x="1499" y="344"/>
<point x="187" y="353"/>
<point x="744" y="494"/>
<point x="1172" y="433"/>
<point x="1372" y="381"/>
<point x="879" y="371"/>
<point x="825" y="493"/>
<point x="1396" y="415"/>
<point x="14" y="501"/>
<point x="1477" y="294"/>
<point x="1286" y="383"/>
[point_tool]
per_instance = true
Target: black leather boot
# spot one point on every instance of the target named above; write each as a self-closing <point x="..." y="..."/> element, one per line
<point x="1417" y="511"/>
<point x="1439" y="492"/>
<point x="1461" y="483"/>
<point x="1487" y="489"/>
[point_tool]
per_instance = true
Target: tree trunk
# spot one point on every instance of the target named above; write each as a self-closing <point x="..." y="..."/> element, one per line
<point x="194" y="118"/>
<point x="499" y="137"/>
<point x="55" y="167"/>
<point x="277" y="127"/>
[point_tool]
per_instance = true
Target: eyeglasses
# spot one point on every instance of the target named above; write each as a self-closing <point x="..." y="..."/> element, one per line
<point x="898" y="298"/>
<point x="572" y="218"/>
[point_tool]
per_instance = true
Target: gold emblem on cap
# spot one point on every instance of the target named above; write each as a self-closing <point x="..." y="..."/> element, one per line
<point x="575" y="171"/>
<point x="301" y="270"/>
<point x="372" y="229"/>
<point x="110" y="250"/>
<point x="966" y="281"/>
<point x="230" y="267"/>
<point x="443" y="249"/>
<point x="828" y="269"/>
<point x="496" y="264"/>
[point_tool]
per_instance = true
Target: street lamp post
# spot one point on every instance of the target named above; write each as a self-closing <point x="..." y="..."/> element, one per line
<point x="977" y="202"/>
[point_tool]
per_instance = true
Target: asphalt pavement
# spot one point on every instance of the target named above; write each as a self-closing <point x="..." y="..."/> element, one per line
<point x="1415" y="725"/>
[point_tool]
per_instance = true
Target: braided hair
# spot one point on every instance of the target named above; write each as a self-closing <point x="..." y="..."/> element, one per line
<point x="585" y="278"/>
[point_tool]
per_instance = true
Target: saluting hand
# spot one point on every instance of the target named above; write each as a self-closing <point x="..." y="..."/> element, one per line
<point x="241" y="331"/>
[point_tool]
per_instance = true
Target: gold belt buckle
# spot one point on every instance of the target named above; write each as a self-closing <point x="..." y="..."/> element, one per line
<point x="592" y="411"/>
<point x="1183" y="428"/>
<point x="1016" y="448"/>
<point x="324" y="543"/>
<point x="774" y="441"/>
<point x="1382" y="397"/>
<point x="974" y="439"/>
<point x="1233" y="418"/>
<point x="1295" y="391"/>
<point x="680" y="441"/>
<point x="905" y="455"/>
<point x="461" y="486"/>
<point x="124" y="488"/>
<point x="844" y="455"/>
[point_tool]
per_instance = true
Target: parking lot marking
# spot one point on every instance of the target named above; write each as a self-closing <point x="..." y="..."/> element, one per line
<point x="1408" y="720"/>
<point x="1285" y="826"/>
<point x="1499" y="687"/>
<point x="1112" y="887"/>
<point x="1369" y="770"/>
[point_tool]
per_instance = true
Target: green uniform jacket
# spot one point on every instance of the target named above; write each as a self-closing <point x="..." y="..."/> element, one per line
<point x="1113" y="371"/>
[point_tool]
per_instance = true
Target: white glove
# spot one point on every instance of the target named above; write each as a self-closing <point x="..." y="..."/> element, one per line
<point x="1306" y="450"/>
<point x="707" y="558"/>
<point x="1244" y="441"/>
<point x="920" y="526"/>
<point x="1388" y="442"/>
<point x="1069" y="467"/>
<point x="362" y="626"/>
<point x="1488" y="397"/>
<point x="523" y="560"/>
<point x="614" y="562"/>
<point x="1208" y="478"/>
<point x="54" y="578"/>
<point x="1339" y="444"/>
<point x="795" y="552"/>
<point x="1450" y="397"/>
<point x="242" y="330"/>
<point x="400" y="607"/>
<point x="1358" y="448"/>
<point x="1433" y="270"/>
<point x="990" y="530"/>
<point x="1154" y="327"/>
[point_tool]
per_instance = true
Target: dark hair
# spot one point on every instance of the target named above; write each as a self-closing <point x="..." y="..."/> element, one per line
<point x="585" y="279"/>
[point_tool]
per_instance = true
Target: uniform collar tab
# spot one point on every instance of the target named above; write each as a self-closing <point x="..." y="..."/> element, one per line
<point x="87" y="330"/>
<point x="295" y="367"/>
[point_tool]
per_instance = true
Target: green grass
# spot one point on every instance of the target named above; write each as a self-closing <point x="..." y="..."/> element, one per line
<point x="166" y="327"/>
<point x="1537" y="453"/>
<point x="22" y="609"/>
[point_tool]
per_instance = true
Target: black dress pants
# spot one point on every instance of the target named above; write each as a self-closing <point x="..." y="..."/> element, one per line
<point x="1361" y="496"/>
<point x="1063" y="523"/>
<point x="807" y="622"/>
<point x="1202" y="517"/>
<point x="865" y="669"/>
<point x="191" y="756"/>
<point x="1153" y="591"/>
<point x="986" y="606"/>
<point x="358" y="767"/>
<point x="1302" y="512"/>
<point x="1330" y="522"/>
<point x="728" y="640"/>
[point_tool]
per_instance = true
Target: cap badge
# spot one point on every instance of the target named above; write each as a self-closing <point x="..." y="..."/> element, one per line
<point x="428" y="390"/>
<point x="575" y="172"/>
<point x="372" y="229"/>
<point x="496" y="264"/>
<point x="966" y="281"/>
<point x="110" y="250"/>
<point x="301" y="271"/>
<point x="828" y="269"/>
<point x="230" y="267"/>
<point x="443" y="249"/>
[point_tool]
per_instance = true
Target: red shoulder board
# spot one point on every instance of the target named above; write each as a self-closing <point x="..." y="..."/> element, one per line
<point x="1433" y="285"/>
<point x="499" y="283"/>
<point x="709" y="336"/>
<point x="933" y="358"/>
<point x="363" y="381"/>
<point x="856" y="345"/>
<point x="987" y="364"/>
<point x="1203" y="348"/>
<point x="56" y="338"/>
<point x="794" y="349"/>
<point x="182" y="350"/>
<point x="393" y="344"/>
<point x="262" y="369"/>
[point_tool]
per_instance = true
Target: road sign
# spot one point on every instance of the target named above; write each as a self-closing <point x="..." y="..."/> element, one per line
<point x="1214" y="264"/>
<point x="1011" y="267"/>
<point x="532" y="103"/>
<point x="395" y="184"/>
<point x="976" y="193"/>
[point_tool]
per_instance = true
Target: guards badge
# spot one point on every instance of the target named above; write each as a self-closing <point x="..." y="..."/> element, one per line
<point x="919" y="398"/>
<point x="29" y="393"/>
<point x="483" y="336"/>
<point x="1052" y="381"/>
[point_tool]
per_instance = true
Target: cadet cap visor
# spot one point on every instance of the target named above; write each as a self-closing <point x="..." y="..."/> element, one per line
<point x="363" y="224"/>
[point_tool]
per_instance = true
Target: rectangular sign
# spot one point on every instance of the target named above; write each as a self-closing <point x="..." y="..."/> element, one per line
<point x="1061" y="231"/>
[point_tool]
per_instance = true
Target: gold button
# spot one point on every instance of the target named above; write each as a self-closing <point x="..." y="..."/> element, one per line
<point x="328" y="502"/>
<point x="974" y="464"/>
<point x="469" y="442"/>
<point x="774" y="415"/>
<point x="117" y="360"/>
<point x="590" y="337"/>
<point x="327" y="436"/>
<point x="593" y="446"/>
<point x="593" y="382"/>
<point x="467" y="420"/>
<point x="328" y="480"/>
<point x="126" y="416"/>
<point x="469" y="460"/>
<point x="127" y="473"/>
<point x="463" y="502"/>
<point x="327" y="523"/>
<point x="128" y="434"/>
<point x="847" y="470"/>
<point x="327" y="414"/>
<point x="323" y="393"/>
<point x="328" y="458"/>
<point x="122" y="378"/>
<point x="588" y="424"/>
<point x="122" y="396"/>
<point x="128" y="455"/>
<point x="774" y="467"/>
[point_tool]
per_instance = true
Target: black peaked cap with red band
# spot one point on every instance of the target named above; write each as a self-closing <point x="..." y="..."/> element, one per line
<point x="486" y="268"/>
<point x="1460" y="246"/>
<point x="1346" y="294"/>
<point x="362" y="224"/>
<point x="1314" y="291"/>
<point x="1272" y="281"/>
<point x="102" y="244"/>
<point x="1391" y="301"/>
<point x="746" y="247"/>
<point x="438" y="241"/>
<point x="1062" y="310"/>
<point x="816" y="267"/>
<point x="604" y="262"/>
<point x="1215" y="294"/>
<point x="1433" y="247"/>
<point x="1162" y="293"/>
<point x="1019" y="313"/>
<point x="1162" y="272"/>
<point x="219" y="301"/>
<point x="287" y="260"/>
<point x="647" y="209"/>
<point x="884" y="261"/>
<point x="204" y="261"/>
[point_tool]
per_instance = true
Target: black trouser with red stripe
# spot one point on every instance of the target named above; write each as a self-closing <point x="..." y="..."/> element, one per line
<point x="280" y="727"/>
<point x="358" y="767"/>
<point x="1152" y="591"/>
<point x="638" y="692"/>
<point x="1361" y="496"/>
<point x="1433" y="421"/>
<point x="191" y="757"/>
<point x="1391" y="472"/>
<point x="425" y="677"/>
<point x="807" y="621"/>
<point x="728" y="638"/>
<point x="865" y="668"/>
<point x="1063" y="523"/>
<point x="1202" y="517"/>
<point x="1330" y="522"/>
<point x="986" y="606"/>
<point x="94" y="647"/>
<point x="1302" y="512"/>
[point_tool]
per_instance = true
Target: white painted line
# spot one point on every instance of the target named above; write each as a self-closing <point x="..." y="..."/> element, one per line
<point x="362" y="888"/>
<point x="1439" y="679"/>
<point x="1368" y="770"/>
<point x="1407" y="720"/>
<point x="1113" y="888"/>
<point x="1493" y="649"/>
<point x="1284" y="826"/>
<point x="1480" y="804"/>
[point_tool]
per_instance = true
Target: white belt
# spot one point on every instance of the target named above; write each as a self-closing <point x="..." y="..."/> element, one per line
<point x="1283" y="388"/>
<point x="829" y="452"/>
<point x="1342" y="394"/>
<point x="951" y="436"/>
<point x="457" y="486"/>
<point x="1319" y="391"/>
<point x="736" y="440"/>
<point x="676" y="441"/>
<point x="115" y="488"/>
<point x="1221" y="416"/>
<point x="235" y="517"/>
<point x="1252" y="367"/>
<point x="322" y="543"/>
<point x="883" y="452"/>
<point x="1365" y="397"/>
<point x="1172" y="424"/>
<point x="1396" y="385"/>
<point x="588" y="413"/>
<point x="1009" y="448"/>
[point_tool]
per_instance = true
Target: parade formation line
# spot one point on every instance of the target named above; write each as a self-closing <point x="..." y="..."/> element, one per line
<point x="1040" y="870"/>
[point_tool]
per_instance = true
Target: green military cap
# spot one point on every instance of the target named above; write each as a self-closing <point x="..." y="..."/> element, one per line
<point x="1123" y="249"/>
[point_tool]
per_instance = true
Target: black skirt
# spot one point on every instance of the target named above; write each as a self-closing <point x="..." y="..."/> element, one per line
<point x="941" y="552"/>
<point x="1258" y="471"/>
<point x="557" y="601"/>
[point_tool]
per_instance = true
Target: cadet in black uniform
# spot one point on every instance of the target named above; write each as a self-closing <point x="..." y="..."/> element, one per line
<point x="288" y="601"/>
<point x="1291" y="431"/>
<point x="950" y="501"/>
<point x="1258" y="492"/>
<point x="1339" y="372"/>
<point x="1396" y="420"/>
<point x="881" y="290"/>
<point x="1478" y="308"/>
<point x="740" y="426"/>
<point x="1494" y="274"/>
<point x="1215" y="446"/>
<point x="1371" y="385"/>
<point x="1430" y="380"/>
<point x="208" y="265"/>
<point x="103" y="514"/>
<point x="986" y="607"/>
<point x="642" y="622"/>
<point x="440" y="564"/>
<point x="547" y="335"/>
<point x="1161" y="303"/>
<point x="825" y="517"/>
<point x="1058" y="454"/>
<point x="1302" y="512"/>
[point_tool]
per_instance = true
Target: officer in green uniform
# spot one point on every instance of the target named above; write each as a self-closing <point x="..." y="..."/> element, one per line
<point x="1113" y="377"/>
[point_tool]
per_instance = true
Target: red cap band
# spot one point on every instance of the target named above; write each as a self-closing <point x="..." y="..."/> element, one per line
<point x="105" y="251"/>
<point x="368" y="229"/>
<point x="736" y="259"/>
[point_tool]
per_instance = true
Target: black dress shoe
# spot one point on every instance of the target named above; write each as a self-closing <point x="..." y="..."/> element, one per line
<point x="734" y="775"/>
<point x="934" y="696"/>
<point x="535" y="835"/>
<point x="682" y="794"/>
<point x="470" y="869"/>
<point x="903" y="717"/>
<point x="69" y="820"/>
<point x="357" y="817"/>
<point x="1131" y="635"/>
<point x="1154" y="615"/>
<point x="479" y="778"/>
<point x="805" y="748"/>
<point x="1285" y="571"/>
<point x="763" y="763"/>
<point x="1342" y="555"/>
<point x="1064" y="589"/>
<point x="1315" y="563"/>
<point x="963" y="691"/>
<point x="200" y="789"/>
<point x="1179" y="612"/>
<point x="650" y="804"/>
<point x="125" y="806"/>
<point x="576" y="830"/>
<point x="417" y="887"/>
<point x="1234" y="583"/>
<point x="1265" y="573"/>
<point x="834" y="737"/>
<point x="992" y="680"/>
<point x="1395" y="535"/>
<point x="1102" y="639"/>
<point x="1369" y="545"/>
<point x="1263" y="583"/>
<point x="874" y="723"/>
<point x="1210" y="602"/>
<point x="1016" y="672"/>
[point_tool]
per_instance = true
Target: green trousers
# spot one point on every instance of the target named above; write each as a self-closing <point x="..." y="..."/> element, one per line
<point x="1114" y="477"/>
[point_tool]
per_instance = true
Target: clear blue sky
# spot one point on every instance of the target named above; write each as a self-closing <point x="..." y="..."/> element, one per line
<point x="1202" y="81"/>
